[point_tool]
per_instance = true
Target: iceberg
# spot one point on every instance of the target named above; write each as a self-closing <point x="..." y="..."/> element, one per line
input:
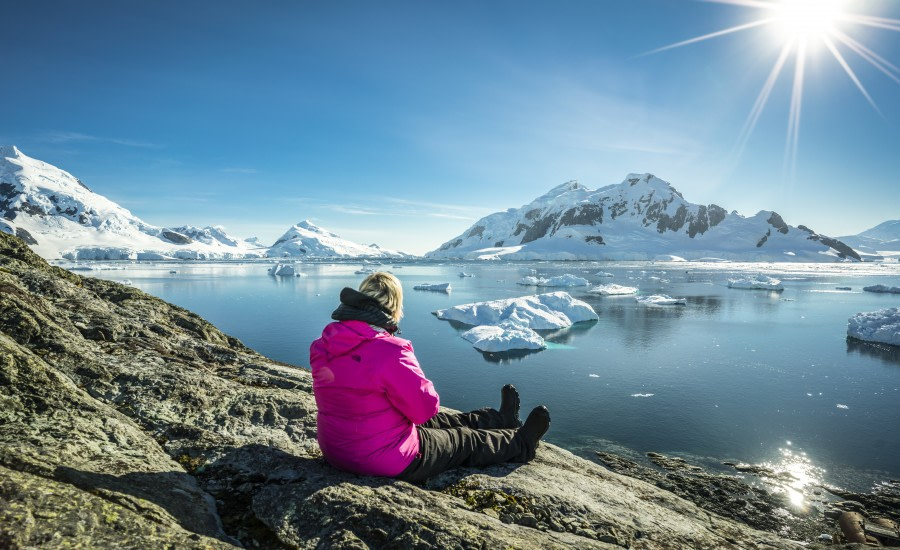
<point x="562" y="280"/>
<point x="436" y="287"/>
<point x="660" y="300"/>
<point x="759" y="282"/>
<point x="613" y="289"/>
<point x="883" y="289"/>
<point x="553" y="310"/>
<point x="503" y="337"/>
<point x="285" y="270"/>
<point x="882" y="326"/>
<point x="464" y="274"/>
<point x="604" y="274"/>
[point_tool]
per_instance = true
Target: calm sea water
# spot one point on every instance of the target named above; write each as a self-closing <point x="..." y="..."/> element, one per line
<point x="748" y="376"/>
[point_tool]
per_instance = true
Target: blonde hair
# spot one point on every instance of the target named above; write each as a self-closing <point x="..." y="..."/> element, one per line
<point x="385" y="288"/>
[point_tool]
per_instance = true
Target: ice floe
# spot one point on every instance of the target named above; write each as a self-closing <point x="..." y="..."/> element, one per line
<point x="613" y="289"/>
<point x="562" y="280"/>
<point x="464" y="274"/>
<point x="643" y="394"/>
<point x="553" y="310"/>
<point x="660" y="300"/>
<point x="503" y="337"/>
<point x="883" y="289"/>
<point x="604" y="274"/>
<point x="759" y="282"/>
<point x="882" y="326"/>
<point x="436" y="287"/>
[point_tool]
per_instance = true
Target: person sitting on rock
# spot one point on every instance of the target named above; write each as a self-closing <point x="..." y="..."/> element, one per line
<point x="379" y="414"/>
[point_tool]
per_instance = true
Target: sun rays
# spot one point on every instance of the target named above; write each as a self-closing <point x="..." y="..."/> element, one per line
<point x="802" y="26"/>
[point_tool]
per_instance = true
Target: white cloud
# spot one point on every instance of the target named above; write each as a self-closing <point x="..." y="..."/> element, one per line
<point x="57" y="136"/>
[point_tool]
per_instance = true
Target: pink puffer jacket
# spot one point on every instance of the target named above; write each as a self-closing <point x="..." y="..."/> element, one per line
<point x="370" y="393"/>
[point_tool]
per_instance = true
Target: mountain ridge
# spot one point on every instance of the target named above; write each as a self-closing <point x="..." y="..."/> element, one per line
<point x="61" y="217"/>
<point x="641" y="218"/>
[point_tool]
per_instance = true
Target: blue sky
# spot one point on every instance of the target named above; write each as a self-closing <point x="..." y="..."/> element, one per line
<point x="402" y="123"/>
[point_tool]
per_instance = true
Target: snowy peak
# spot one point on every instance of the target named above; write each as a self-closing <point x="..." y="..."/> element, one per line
<point x="878" y="242"/>
<point x="31" y="187"/>
<point x="59" y="216"/>
<point x="306" y="239"/>
<point x="572" y="185"/>
<point x="311" y="227"/>
<point x="9" y="151"/>
<point x="648" y="183"/>
<point x="211" y="235"/>
<point x="643" y="217"/>
<point x="886" y="231"/>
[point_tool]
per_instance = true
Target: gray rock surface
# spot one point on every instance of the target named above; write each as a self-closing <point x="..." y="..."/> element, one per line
<point x="128" y="422"/>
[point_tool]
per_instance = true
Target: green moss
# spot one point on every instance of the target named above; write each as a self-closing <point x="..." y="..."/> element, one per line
<point x="192" y="464"/>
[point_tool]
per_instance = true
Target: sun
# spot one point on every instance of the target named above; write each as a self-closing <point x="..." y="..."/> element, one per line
<point x="807" y="19"/>
<point x="800" y="26"/>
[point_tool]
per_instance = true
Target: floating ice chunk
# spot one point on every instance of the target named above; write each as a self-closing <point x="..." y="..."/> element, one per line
<point x="842" y="288"/>
<point x="364" y="271"/>
<point x="593" y="376"/>
<point x="503" y="337"/>
<point x="604" y="274"/>
<point x="436" y="287"/>
<point x="660" y="300"/>
<point x="613" y="289"/>
<point x="562" y="280"/>
<point x="883" y="289"/>
<point x="759" y="282"/>
<point x="464" y="274"/>
<point x="539" y="312"/>
<point x="643" y="394"/>
<point x="882" y="326"/>
<point x="842" y="406"/>
<point x="172" y="271"/>
<point x="282" y="270"/>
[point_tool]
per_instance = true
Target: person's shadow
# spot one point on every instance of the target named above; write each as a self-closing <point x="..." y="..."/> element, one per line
<point x="251" y="491"/>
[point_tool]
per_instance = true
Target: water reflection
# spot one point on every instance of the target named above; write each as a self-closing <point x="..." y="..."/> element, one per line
<point x="888" y="354"/>
<point x="511" y="356"/>
<point x="565" y="335"/>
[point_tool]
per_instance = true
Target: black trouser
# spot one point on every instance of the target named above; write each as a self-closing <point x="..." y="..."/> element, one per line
<point x="475" y="438"/>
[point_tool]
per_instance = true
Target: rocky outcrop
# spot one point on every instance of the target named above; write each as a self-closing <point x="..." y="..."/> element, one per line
<point x="129" y="422"/>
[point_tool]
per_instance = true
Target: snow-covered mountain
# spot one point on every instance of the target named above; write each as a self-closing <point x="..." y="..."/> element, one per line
<point x="60" y="217"/>
<point x="305" y="239"/>
<point x="642" y="218"/>
<point x="880" y="241"/>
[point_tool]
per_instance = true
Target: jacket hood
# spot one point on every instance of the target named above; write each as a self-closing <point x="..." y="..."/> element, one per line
<point x="343" y="337"/>
<point x="361" y="307"/>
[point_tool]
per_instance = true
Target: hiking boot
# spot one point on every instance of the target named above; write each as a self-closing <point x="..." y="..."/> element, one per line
<point x="536" y="425"/>
<point x="509" y="406"/>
